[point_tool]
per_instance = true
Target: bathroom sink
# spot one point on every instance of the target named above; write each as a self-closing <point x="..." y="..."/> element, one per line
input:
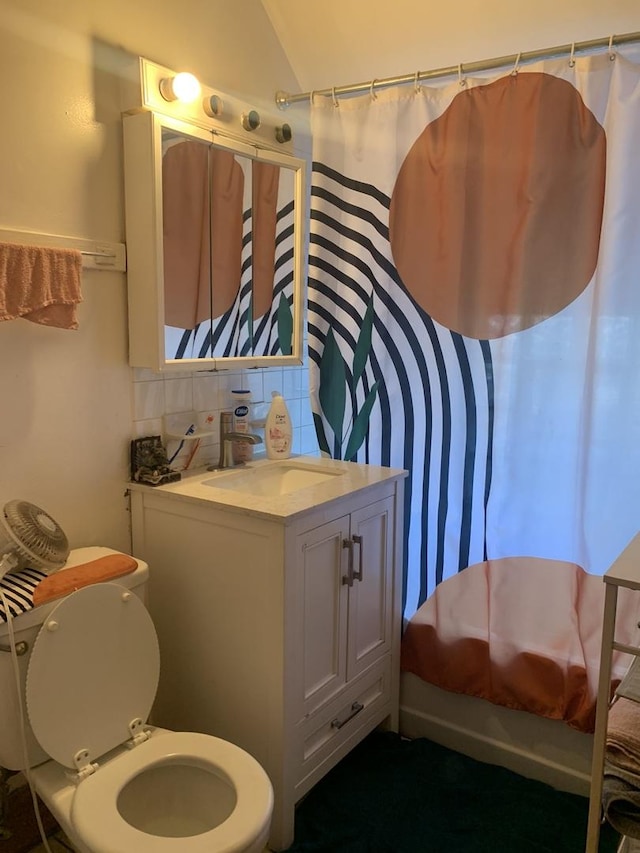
<point x="272" y="480"/>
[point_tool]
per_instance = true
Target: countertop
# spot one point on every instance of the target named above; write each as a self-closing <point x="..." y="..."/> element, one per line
<point x="200" y="486"/>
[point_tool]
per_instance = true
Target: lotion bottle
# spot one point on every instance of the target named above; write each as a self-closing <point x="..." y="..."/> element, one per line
<point x="278" y="429"/>
<point x="241" y="402"/>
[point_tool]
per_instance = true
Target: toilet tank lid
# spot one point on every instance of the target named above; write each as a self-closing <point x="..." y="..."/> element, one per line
<point x="77" y="557"/>
<point x="93" y="671"/>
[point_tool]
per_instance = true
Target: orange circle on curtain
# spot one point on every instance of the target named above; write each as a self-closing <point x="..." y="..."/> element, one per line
<point x="496" y="213"/>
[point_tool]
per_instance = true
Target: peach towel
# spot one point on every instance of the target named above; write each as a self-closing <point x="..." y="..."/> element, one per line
<point x="40" y="284"/>
<point x="96" y="571"/>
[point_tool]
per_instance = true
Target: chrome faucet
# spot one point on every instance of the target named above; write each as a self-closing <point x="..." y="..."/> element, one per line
<point x="227" y="437"/>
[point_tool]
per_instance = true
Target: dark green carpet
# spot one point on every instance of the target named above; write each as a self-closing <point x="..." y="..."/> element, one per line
<point x="395" y="796"/>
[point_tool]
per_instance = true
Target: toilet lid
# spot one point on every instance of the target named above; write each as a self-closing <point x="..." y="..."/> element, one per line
<point x="93" y="670"/>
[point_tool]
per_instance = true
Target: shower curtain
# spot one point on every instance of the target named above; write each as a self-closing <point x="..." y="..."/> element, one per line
<point x="474" y="309"/>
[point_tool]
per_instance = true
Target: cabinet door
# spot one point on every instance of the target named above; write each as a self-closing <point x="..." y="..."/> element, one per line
<point x="322" y="625"/>
<point x="370" y="597"/>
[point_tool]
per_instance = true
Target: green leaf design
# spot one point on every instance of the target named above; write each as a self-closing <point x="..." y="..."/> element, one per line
<point x="285" y="326"/>
<point x="323" y="444"/>
<point x="361" y="424"/>
<point x="332" y="391"/>
<point x="363" y="346"/>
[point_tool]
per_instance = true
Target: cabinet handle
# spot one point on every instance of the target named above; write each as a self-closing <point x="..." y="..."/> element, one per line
<point x="348" y="578"/>
<point x="357" y="576"/>
<point x="355" y="709"/>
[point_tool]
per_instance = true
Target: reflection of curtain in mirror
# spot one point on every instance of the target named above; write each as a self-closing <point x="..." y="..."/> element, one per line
<point x="185" y="217"/>
<point x="266" y="184"/>
<point x="227" y="187"/>
<point x="273" y="259"/>
<point x="259" y="261"/>
<point x="202" y="233"/>
<point x="281" y="337"/>
<point x="243" y="342"/>
<point x="265" y="199"/>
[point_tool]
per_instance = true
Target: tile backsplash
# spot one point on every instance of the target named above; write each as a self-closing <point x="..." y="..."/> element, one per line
<point x="171" y="402"/>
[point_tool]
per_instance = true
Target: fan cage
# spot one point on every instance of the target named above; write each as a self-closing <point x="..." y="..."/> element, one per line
<point x="36" y="539"/>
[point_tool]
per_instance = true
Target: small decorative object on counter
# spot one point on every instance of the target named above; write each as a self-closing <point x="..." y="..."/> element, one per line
<point x="149" y="463"/>
<point x="241" y="402"/>
<point x="278" y="429"/>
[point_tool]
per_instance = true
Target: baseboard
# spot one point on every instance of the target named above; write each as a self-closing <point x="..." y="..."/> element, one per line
<point x="535" y="747"/>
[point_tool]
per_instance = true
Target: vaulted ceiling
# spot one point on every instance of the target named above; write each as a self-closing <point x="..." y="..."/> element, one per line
<point x="337" y="42"/>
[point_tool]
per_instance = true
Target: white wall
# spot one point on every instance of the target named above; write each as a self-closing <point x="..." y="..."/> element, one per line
<point x="397" y="37"/>
<point x="66" y="398"/>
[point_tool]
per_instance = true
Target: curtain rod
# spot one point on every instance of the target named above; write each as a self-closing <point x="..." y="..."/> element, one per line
<point x="285" y="99"/>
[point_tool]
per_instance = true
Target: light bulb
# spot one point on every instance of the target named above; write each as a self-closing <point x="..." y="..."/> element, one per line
<point x="183" y="87"/>
<point x="251" y="120"/>
<point x="213" y="106"/>
<point x="284" y="133"/>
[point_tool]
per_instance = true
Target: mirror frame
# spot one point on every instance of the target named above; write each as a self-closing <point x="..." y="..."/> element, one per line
<point x="144" y="234"/>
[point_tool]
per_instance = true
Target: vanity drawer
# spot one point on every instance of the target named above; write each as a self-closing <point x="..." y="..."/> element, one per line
<point x="361" y="704"/>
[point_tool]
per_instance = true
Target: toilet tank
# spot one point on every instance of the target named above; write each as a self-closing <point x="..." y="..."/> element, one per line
<point x="25" y="629"/>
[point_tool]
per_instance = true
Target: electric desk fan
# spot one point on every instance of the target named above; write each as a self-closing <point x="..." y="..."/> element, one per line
<point x="30" y="538"/>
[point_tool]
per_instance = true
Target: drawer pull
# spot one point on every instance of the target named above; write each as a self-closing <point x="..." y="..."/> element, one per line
<point x="355" y="709"/>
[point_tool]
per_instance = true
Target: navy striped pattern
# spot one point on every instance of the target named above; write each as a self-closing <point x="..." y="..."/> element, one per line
<point x="18" y="590"/>
<point x="434" y="412"/>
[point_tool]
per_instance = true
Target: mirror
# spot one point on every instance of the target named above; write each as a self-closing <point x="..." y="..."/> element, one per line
<point x="214" y="245"/>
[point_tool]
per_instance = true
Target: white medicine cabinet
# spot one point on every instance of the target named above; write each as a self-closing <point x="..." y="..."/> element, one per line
<point x="215" y="236"/>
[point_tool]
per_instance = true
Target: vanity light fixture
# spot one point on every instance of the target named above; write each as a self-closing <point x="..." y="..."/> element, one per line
<point x="284" y="133"/>
<point x="183" y="87"/>
<point x="250" y="120"/>
<point x="213" y="105"/>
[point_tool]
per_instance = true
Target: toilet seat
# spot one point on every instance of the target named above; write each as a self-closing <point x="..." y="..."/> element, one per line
<point x="99" y="824"/>
<point x="91" y="681"/>
<point x="93" y="674"/>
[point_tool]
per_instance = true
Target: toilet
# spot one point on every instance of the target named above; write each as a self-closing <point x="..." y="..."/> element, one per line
<point x="114" y="783"/>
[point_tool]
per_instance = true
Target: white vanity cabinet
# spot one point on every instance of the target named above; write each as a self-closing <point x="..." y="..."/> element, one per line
<point x="344" y="624"/>
<point x="279" y="632"/>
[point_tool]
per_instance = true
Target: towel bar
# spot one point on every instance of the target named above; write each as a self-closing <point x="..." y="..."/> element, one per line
<point x="96" y="254"/>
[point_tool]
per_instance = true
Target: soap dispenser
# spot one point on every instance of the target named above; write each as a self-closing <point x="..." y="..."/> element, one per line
<point x="278" y="429"/>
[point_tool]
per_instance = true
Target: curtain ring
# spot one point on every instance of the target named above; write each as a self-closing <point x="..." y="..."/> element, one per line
<point x="462" y="81"/>
<point x="373" y="95"/>
<point x="333" y="96"/>
<point x="572" y="60"/>
<point x="514" y="73"/>
<point x="416" y="83"/>
<point x="612" y="55"/>
<point x="311" y="94"/>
